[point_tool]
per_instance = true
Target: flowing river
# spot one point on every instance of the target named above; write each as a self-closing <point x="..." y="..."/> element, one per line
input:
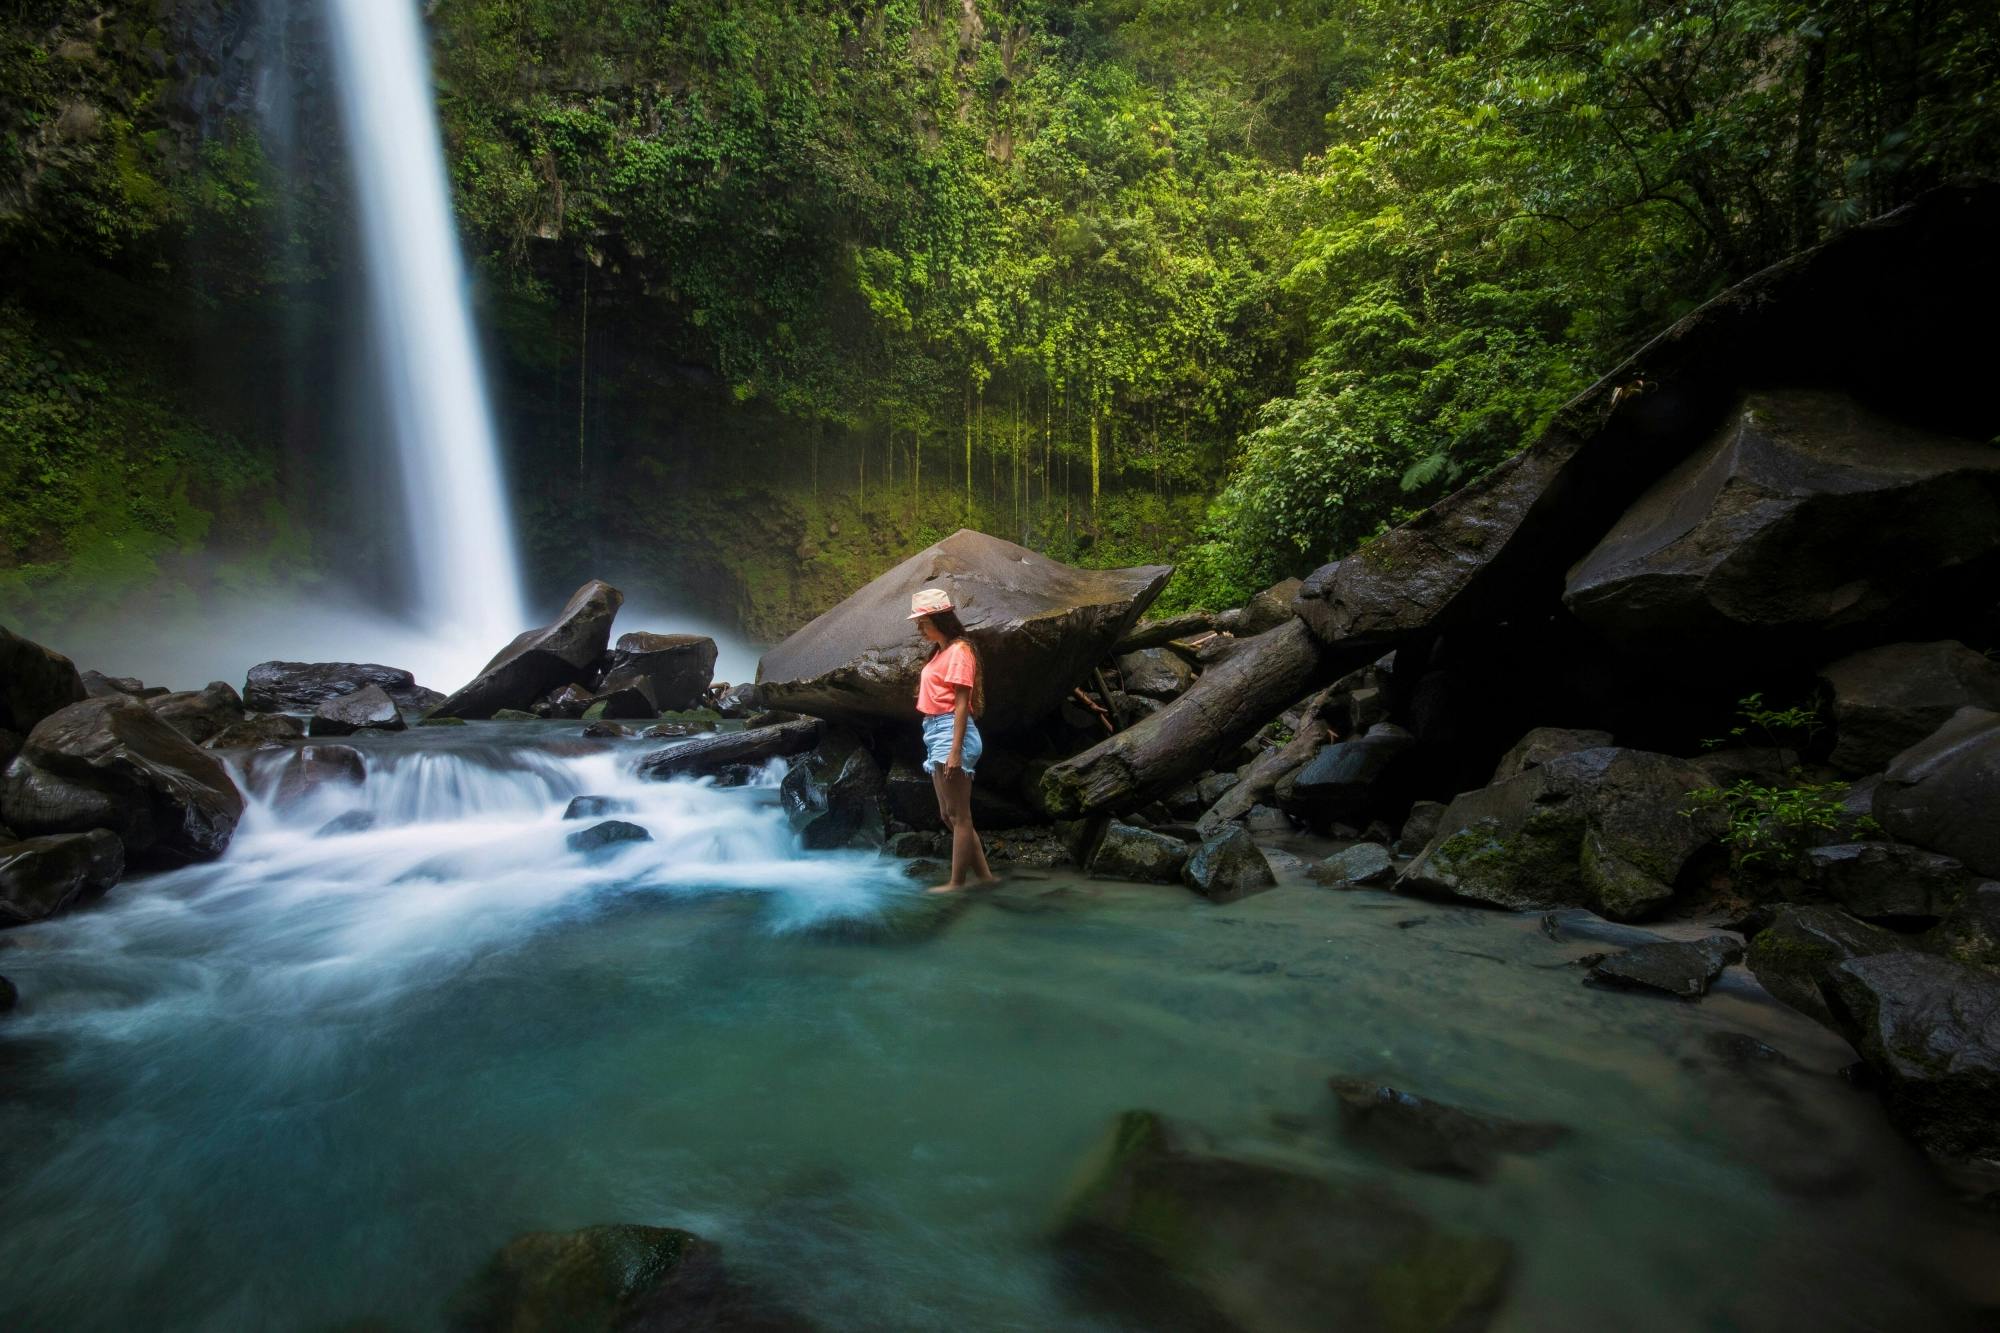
<point x="318" y="1082"/>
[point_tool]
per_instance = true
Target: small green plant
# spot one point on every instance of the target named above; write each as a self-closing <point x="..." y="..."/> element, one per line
<point x="1779" y="729"/>
<point x="1776" y="825"/>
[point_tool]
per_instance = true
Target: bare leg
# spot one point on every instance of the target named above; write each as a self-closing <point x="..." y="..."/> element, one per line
<point x="968" y="854"/>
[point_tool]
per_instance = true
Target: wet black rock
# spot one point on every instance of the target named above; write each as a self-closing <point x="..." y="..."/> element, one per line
<point x="200" y="715"/>
<point x="1941" y="792"/>
<point x="608" y="834"/>
<point x="1929" y="1029"/>
<point x="40" y="877"/>
<point x="705" y="755"/>
<point x="1349" y="782"/>
<point x="1419" y="826"/>
<point x="670" y="671"/>
<point x="1971" y="934"/>
<point x="97" y="685"/>
<point x="1157" y="673"/>
<point x="594" y="807"/>
<point x="1887" y="881"/>
<point x="354" y="821"/>
<point x="1169" y="1238"/>
<point x="112" y="764"/>
<point x="510" y="715"/>
<point x="1363" y="863"/>
<point x="913" y="843"/>
<point x="611" y="1279"/>
<point x="258" y="731"/>
<point x="9" y="995"/>
<point x="1142" y="855"/>
<point x="312" y="767"/>
<point x="539" y="660"/>
<point x="300" y="687"/>
<point x="1683" y="968"/>
<point x="1264" y="611"/>
<point x="625" y="702"/>
<point x="1796" y="953"/>
<point x="599" y="729"/>
<point x="738" y="701"/>
<point x="1228" y="866"/>
<point x="836" y="796"/>
<point x="34" y="682"/>
<point x="1887" y="699"/>
<point x="566" y="702"/>
<point x="367" y="709"/>
<point x="1432" y="1136"/>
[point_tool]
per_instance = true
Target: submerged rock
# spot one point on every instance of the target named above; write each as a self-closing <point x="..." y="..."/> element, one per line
<point x="1794" y="956"/>
<point x="1228" y="866"/>
<point x="1171" y="1239"/>
<point x="611" y="1279"/>
<point x="1683" y="968"/>
<point x="300" y="687"/>
<point x="607" y="834"/>
<point x="539" y="660"/>
<point x="201" y="714"/>
<point x="354" y="821"/>
<point x="34" y="682"/>
<point x="367" y="709"/>
<point x="593" y="807"/>
<point x="1431" y="1136"/>
<point x="1942" y="792"/>
<point x="1040" y="626"/>
<point x="40" y="877"/>
<point x="1137" y="854"/>
<point x="1887" y="699"/>
<point x="112" y="764"/>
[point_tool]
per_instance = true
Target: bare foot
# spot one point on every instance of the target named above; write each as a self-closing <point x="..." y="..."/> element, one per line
<point x="944" y="888"/>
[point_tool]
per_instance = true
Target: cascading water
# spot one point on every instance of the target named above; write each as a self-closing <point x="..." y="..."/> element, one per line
<point x="462" y="559"/>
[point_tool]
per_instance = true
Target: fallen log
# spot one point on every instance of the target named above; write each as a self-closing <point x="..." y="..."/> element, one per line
<point x="706" y="755"/>
<point x="1235" y="696"/>
<point x="1259" y="778"/>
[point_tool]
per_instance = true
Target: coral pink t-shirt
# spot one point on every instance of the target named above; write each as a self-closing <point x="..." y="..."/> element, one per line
<point x="955" y="665"/>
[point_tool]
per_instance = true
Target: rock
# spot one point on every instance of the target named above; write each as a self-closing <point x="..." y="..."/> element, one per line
<point x="1431" y="1136"/>
<point x="1971" y="934"/>
<point x="113" y="764"/>
<point x="311" y="767"/>
<point x="1929" y="1030"/>
<point x="34" y="682"/>
<point x="200" y="714"/>
<point x="671" y="671"/>
<point x="1155" y="673"/>
<point x="1040" y="627"/>
<point x="625" y="702"/>
<point x="1348" y="781"/>
<point x="738" y="701"/>
<point x="1543" y="744"/>
<point x="611" y="1279"/>
<point x="837" y="796"/>
<point x="1139" y="855"/>
<point x="704" y="755"/>
<point x="1265" y="611"/>
<point x="1682" y="968"/>
<point x="1804" y="515"/>
<point x="1228" y="705"/>
<point x="669" y="731"/>
<point x="258" y="731"/>
<point x="9" y="995"/>
<point x="565" y="702"/>
<point x="1941" y="792"/>
<point x="1887" y="881"/>
<point x="1576" y="923"/>
<point x="300" y="687"/>
<point x="913" y="843"/>
<point x="507" y="715"/>
<point x="1228" y="866"/>
<point x="1265" y="776"/>
<point x="97" y="685"/>
<point x="1766" y="765"/>
<point x="1420" y="825"/>
<point x="592" y="807"/>
<point x="1160" y="633"/>
<point x="599" y="729"/>
<point x="354" y="821"/>
<point x="367" y="709"/>
<point x="1266" y="819"/>
<point x="441" y="722"/>
<point x="610" y="833"/>
<point x="1212" y="788"/>
<point x="1794" y="955"/>
<point x="1363" y="863"/>
<point x="1603" y="829"/>
<point x="539" y="660"/>
<point x="10" y="745"/>
<point x="1172" y="1239"/>
<point x="1887" y="699"/>
<point x="40" y="877"/>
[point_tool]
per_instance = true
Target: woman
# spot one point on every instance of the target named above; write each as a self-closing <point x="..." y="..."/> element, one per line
<point x="949" y="693"/>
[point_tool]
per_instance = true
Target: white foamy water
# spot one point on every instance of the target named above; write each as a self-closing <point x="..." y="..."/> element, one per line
<point x="461" y="541"/>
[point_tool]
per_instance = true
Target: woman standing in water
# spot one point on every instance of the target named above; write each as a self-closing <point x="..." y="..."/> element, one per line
<point x="950" y="693"/>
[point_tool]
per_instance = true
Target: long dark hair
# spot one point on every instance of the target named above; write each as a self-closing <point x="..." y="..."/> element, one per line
<point x="953" y="630"/>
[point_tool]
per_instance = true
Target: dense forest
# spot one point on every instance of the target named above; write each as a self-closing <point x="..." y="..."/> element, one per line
<point x="780" y="291"/>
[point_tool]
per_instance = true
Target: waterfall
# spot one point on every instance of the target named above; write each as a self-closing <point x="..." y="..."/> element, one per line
<point x="463" y="566"/>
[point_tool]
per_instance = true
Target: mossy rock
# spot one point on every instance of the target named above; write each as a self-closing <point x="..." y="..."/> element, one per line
<point x="515" y="715"/>
<point x="1794" y="955"/>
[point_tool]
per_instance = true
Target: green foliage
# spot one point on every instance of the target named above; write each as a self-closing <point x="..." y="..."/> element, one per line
<point x="1777" y="825"/>
<point x="1778" y="728"/>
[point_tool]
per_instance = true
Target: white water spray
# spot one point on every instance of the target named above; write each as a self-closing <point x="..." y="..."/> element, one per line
<point x="461" y="539"/>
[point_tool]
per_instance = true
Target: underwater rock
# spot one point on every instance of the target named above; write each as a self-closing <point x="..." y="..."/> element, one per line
<point x="1228" y="866"/>
<point x="1363" y="863"/>
<point x="300" y="687"/>
<point x="258" y="731"/>
<point x="670" y="671"/>
<point x="1794" y="955"/>
<point x="608" y="834"/>
<point x="1887" y="699"/>
<point x="591" y="807"/>
<point x="367" y="709"/>
<point x="40" y="877"/>
<point x="1168" y="1238"/>
<point x="539" y="660"/>
<point x="113" y="764"/>
<point x="1682" y="968"/>
<point x="704" y="755"/>
<point x="1942" y="792"/>
<point x="1040" y="626"/>
<point x="1137" y="854"/>
<point x="354" y="821"/>
<point x="1431" y="1136"/>
<point x="34" y="682"/>
<point x="619" y="1278"/>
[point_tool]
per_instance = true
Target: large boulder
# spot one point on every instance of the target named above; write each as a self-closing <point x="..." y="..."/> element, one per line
<point x="1264" y="611"/>
<point x="1171" y="1238"/>
<point x="1805" y="514"/>
<point x="1139" y="854"/>
<point x="1434" y="1136"/>
<point x="1682" y="968"/>
<point x="367" y="709"/>
<point x="1609" y="829"/>
<point x="113" y="764"/>
<point x="672" y="671"/>
<point x="1543" y="744"/>
<point x="1886" y="881"/>
<point x="257" y="731"/>
<point x="34" y="682"/>
<point x="97" y="685"/>
<point x="1039" y="625"/>
<point x="836" y="796"/>
<point x="538" y="660"/>
<point x="42" y="876"/>
<point x="1795" y="955"/>
<point x="1942" y="792"/>
<point x="1929" y="1029"/>
<point x="300" y="687"/>
<point x="1855" y="312"/>
<point x="1887" y="699"/>
<point x="1350" y="782"/>
<point x="200" y="715"/>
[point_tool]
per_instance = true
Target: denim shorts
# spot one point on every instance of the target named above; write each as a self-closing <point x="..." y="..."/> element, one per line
<point x="937" y="743"/>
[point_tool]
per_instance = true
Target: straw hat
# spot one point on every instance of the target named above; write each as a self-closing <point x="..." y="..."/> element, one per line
<point x="928" y="603"/>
